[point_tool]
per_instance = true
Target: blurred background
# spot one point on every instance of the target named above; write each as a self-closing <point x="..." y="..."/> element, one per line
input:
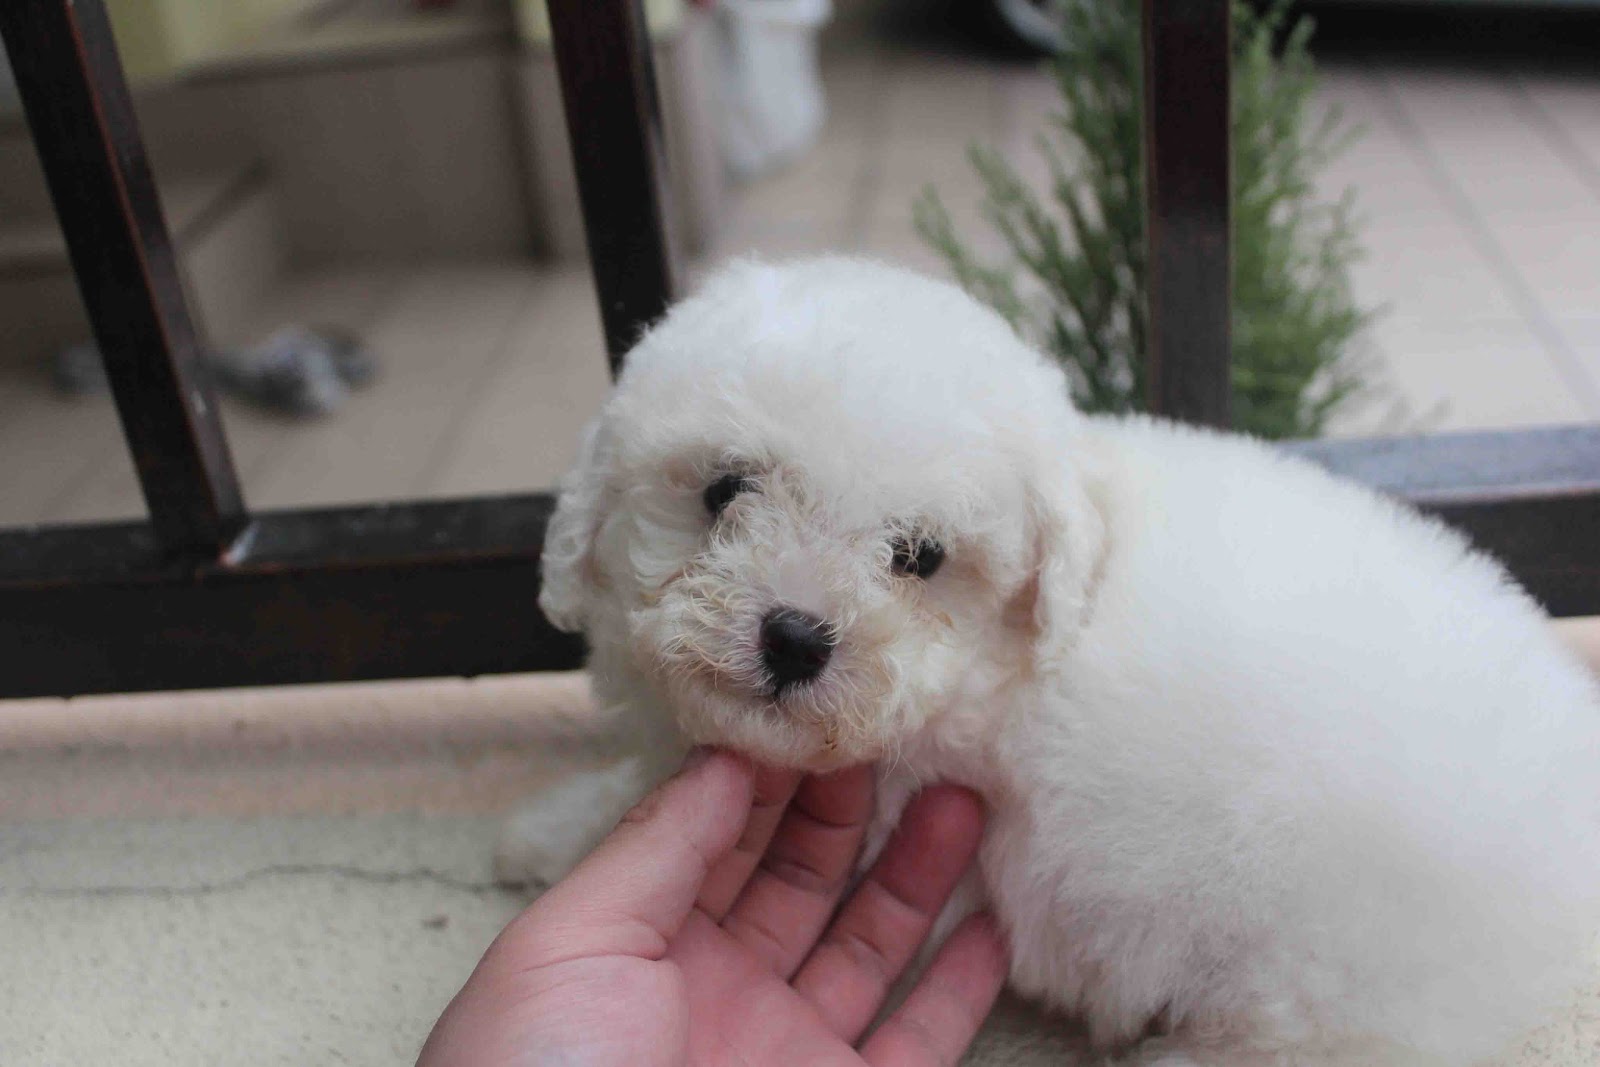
<point x="376" y="218"/>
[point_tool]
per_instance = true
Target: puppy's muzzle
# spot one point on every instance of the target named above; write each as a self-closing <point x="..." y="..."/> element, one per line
<point x="794" y="647"/>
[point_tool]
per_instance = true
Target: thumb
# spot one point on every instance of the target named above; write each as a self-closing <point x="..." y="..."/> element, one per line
<point x="630" y="896"/>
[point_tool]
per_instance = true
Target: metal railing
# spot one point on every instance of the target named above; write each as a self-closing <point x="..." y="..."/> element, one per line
<point x="208" y="593"/>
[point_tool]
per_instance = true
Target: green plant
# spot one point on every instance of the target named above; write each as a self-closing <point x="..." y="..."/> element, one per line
<point x="1076" y="280"/>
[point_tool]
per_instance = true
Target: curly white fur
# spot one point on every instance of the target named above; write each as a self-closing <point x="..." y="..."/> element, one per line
<point x="1279" y="772"/>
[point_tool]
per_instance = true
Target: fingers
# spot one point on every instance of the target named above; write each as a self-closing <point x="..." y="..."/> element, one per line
<point x="942" y="1015"/>
<point x="773" y="789"/>
<point x="631" y="894"/>
<point x="813" y="852"/>
<point x="851" y="970"/>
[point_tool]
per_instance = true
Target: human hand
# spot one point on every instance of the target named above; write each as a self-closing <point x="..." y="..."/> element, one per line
<point x="699" y="933"/>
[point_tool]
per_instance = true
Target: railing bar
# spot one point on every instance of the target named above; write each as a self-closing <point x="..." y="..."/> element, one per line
<point x="437" y="588"/>
<point x="1187" y="194"/>
<point x="72" y="87"/>
<point x="614" y="123"/>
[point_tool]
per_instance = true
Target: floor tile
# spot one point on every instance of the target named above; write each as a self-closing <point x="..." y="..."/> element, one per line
<point x="1433" y="269"/>
<point x="1572" y="105"/>
<point x="345" y="298"/>
<point x="433" y="343"/>
<point x="520" y="431"/>
<point x="1555" y="251"/>
<point x="55" y="447"/>
<point x="1475" y="375"/>
<point x="1582" y="335"/>
<point x="1479" y="129"/>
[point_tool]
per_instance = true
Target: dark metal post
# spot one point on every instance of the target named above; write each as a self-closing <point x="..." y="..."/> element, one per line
<point x="614" y="122"/>
<point x="1187" y="189"/>
<point x="78" y="106"/>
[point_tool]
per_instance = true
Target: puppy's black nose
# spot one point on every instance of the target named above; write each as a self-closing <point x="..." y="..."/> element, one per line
<point x="794" y="646"/>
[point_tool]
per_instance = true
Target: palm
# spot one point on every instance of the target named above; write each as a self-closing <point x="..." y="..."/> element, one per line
<point x="741" y="1012"/>
<point x="761" y="964"/>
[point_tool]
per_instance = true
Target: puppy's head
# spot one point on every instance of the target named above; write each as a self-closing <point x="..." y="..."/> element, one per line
<point x="825" y="501"/>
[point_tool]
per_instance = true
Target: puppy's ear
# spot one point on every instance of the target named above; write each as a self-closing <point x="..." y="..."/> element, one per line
<point x="567" y="568"/>
<point x="1067" y="529"/>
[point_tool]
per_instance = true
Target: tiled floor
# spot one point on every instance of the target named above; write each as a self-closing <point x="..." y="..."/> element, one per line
<point x="1479" y="182"/>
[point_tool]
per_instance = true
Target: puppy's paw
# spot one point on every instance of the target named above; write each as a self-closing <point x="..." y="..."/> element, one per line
<point x="544" y="838"/>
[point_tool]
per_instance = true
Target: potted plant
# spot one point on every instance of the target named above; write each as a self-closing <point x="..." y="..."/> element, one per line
<point x="1075" y="279"/>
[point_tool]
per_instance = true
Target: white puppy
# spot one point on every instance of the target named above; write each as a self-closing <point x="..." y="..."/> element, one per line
<point x="1278" y="771"/>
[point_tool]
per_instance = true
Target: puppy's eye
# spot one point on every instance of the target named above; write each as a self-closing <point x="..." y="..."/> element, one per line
<point x="720" y="493"/>
<point x="917" y="559"/>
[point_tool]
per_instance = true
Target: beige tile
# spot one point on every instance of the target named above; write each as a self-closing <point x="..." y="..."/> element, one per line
<point x="520" y="430"/>
<point x="1453" y="105"/>
<point x="1570" y="97"/>
<point x="1381" y="407"/>
<point x="1480" y="129"/>
<point x="929" y="92"/>
<point x="820" y="190"/>
<point x="852" y="83"/>
<point x="349" y="298"/>
<point x="346" y="298"/>
<point x="777" y="238"/>
<point x="1572" y="105"/>
<point x="891" y="233"/>
<point x="1554" y="249"/>
<point x="891" y="236"/>
<point x="1431" y="270"/>
<point x="433" y="344"/>
<point x="112" y="494"/>
<point x="815" y="204"/>
<point x="1582" y="335"/>
<point x="1387" y="180"/>
<point x="1357" y="95"/>
<point x="1515" y="173"/>
<point x="1475" y="375"/>
<point x="1031" y="109"/>
<point x="911" y="162"/>
<point x="1029" y="97"/>
<point x="934" y="108"/>
<point x="54" y="447"/>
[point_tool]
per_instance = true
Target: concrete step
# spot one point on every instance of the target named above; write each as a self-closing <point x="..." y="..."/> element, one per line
<point x="302" y="875"/>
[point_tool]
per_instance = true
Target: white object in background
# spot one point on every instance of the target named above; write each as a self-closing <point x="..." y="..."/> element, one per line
<point x="773" y="105"/>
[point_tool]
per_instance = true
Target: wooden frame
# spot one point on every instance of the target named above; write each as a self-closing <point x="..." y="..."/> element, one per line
<point x="209" y="594"/>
